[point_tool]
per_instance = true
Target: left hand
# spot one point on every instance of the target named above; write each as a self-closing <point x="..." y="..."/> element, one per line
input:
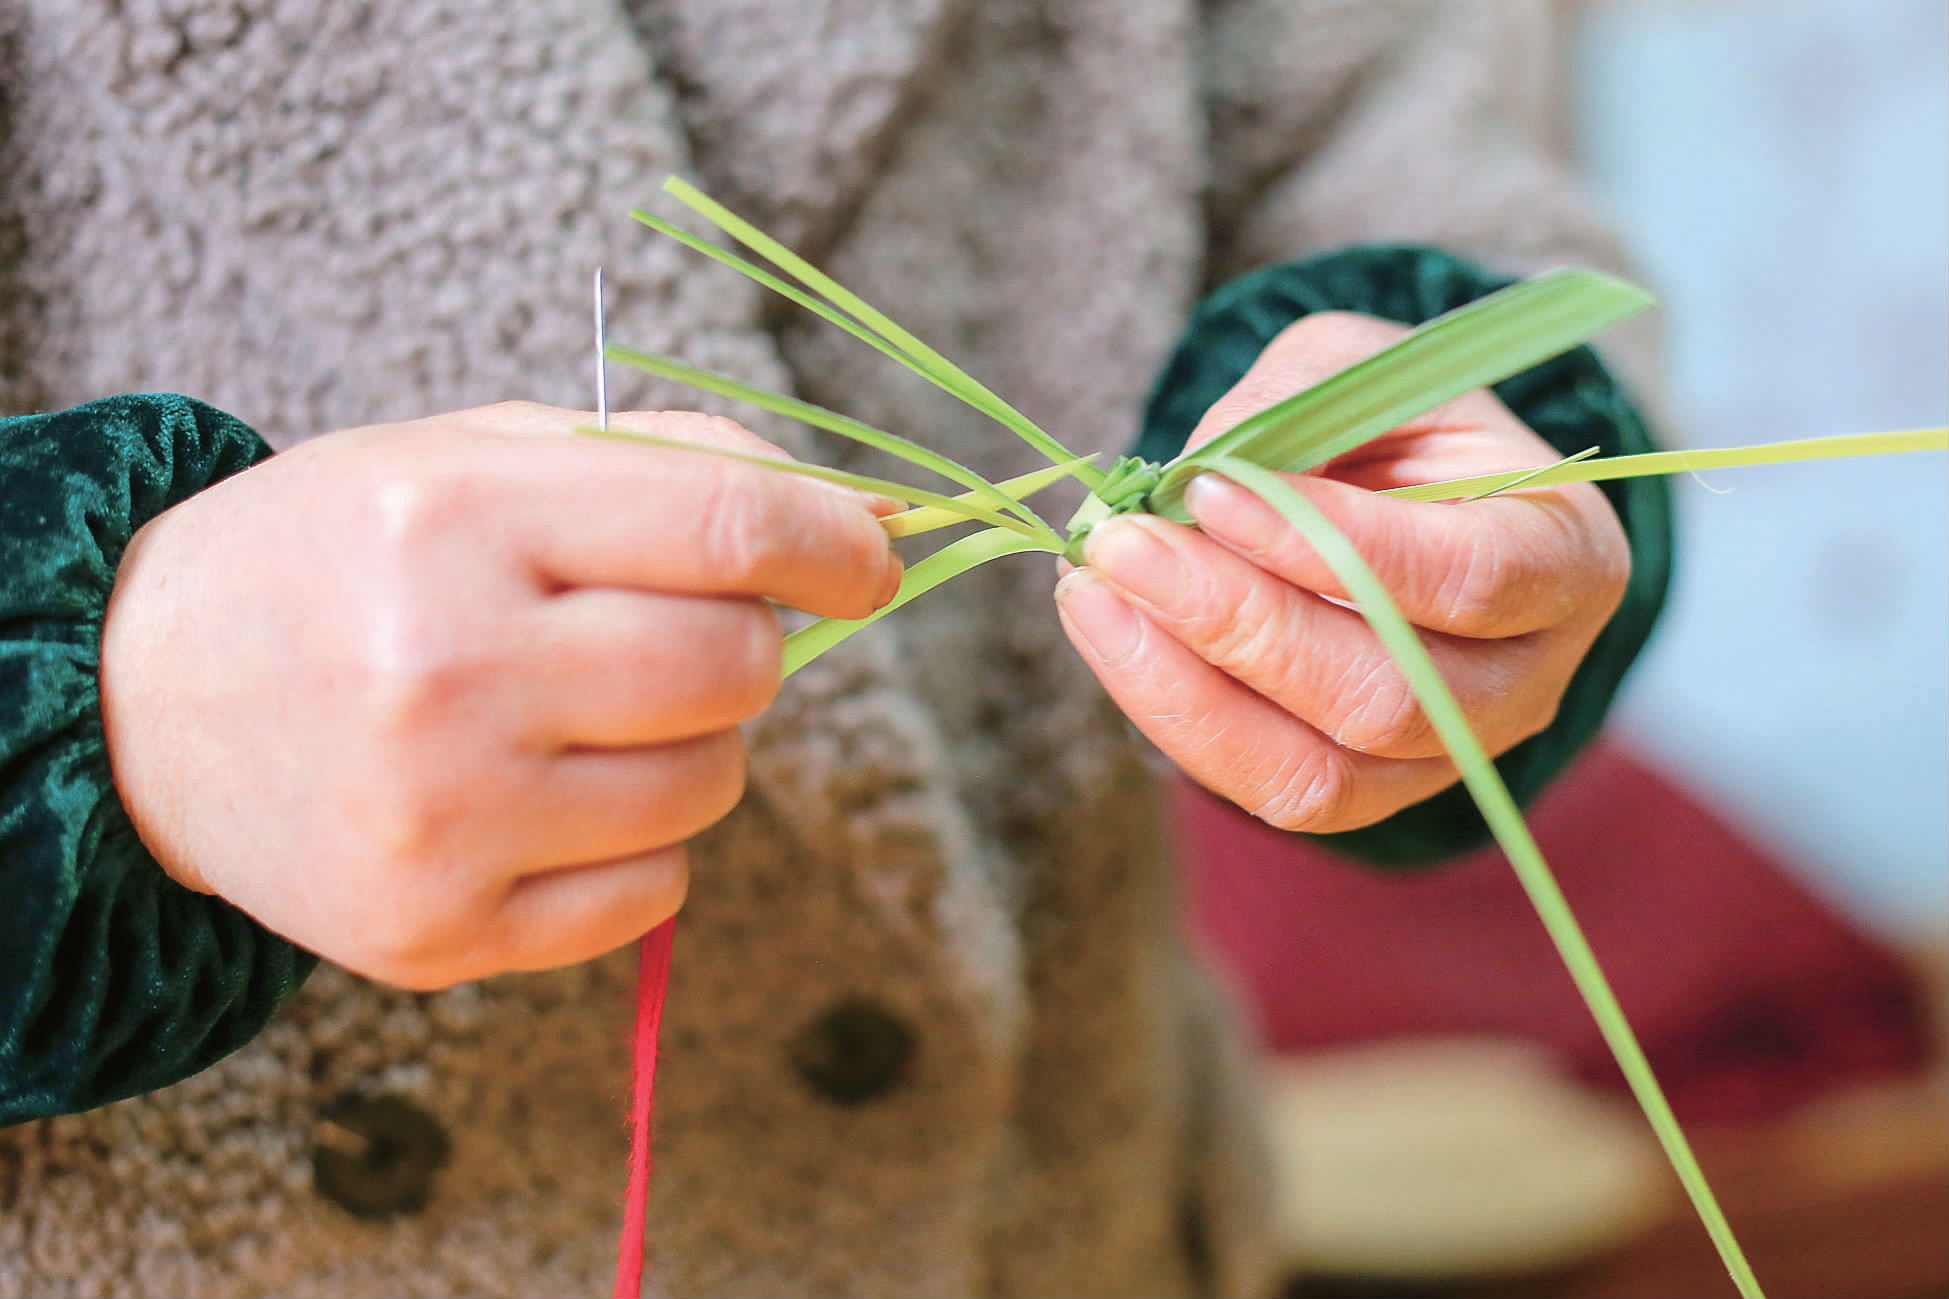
<point x="1232" y="649"/>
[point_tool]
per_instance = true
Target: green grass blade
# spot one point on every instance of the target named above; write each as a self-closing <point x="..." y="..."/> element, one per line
<point x="927" y="518"/>
<point x="954" y="387"/>
<point x="1524" y="480"/>
<point x="1480" y="343"/>
<point x="916" y="354"/>
<point x="832" y="421"/>
<point x="1677" y="462"/>
<point x="956" y="509"/>
<point x="945" y="564"/>
<point x="1506" y="822"/>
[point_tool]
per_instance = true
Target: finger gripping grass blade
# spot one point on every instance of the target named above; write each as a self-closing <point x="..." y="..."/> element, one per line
<point x="951" y="509"/>
<point x="1481" y="343"/>
<point x="1505" y="821"/>
<point x="805" y="412"/>
<point x="809" y="642"/>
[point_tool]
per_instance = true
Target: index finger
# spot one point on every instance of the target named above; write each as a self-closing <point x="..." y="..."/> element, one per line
<point x="1487" y="569"/>
<point x="590" y="513"/>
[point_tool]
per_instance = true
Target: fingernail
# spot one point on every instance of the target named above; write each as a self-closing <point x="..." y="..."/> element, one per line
<point x="1129" y="554"/>
<point x="1105" y="623"/>
<point x="1232" y="514"/>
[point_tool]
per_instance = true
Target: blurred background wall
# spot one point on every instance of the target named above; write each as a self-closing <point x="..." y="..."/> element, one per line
<point x="1780" y="168"/>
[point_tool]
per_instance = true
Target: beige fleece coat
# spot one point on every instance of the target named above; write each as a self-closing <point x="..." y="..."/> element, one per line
<point x="931" y="1029"/>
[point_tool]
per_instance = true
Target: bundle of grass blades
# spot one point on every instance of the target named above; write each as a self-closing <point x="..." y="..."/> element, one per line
<point x="1476" y="345"/>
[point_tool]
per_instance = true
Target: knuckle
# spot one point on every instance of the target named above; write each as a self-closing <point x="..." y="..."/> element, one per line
<point x="1499" y="584"/>
<point x="738" y="544"/>
<point x="413" y="811"/>
<point x="1299" y="356"/>
<point x="1534" y="722"/>
<point x="718" y="776"/>
<point x="1383" y="718"/>
<point x="857" y="553"/>
<point x="400" y="947"/>
<point x="419" y="502"/>
<point x="756" y="649"/>
<point x="1551" y="566"/>
<point x="1307" y="791"/>
<point x="418" y="681"/>
<point x="1341" y="337"/>
<point x="722" y="430"/>
<point x="1479" y="589"/>
<point x="1246" y="638"/>
<point x="1609" y="566"/>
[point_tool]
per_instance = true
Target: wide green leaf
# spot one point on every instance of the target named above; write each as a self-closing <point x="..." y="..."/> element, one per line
<point x="1481" y="343"/>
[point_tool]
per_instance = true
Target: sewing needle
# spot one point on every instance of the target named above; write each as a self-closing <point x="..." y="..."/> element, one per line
<point x="602" y="368"/>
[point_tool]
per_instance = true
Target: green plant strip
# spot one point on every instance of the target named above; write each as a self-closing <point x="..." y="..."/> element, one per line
<point x="958" y="384"/>
<point x="918" y="355"/>
<point x="953" y="509"/>
<point x="1675" y="462"/>
<point x="952" y="560"/>
<point x="1506" y="822"/>
<point x="911" y="523"/>
<point x="832" y="421"/>
<point x="1480" y="343"/>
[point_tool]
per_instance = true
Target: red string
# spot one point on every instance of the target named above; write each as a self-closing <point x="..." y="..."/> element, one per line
<point x="652" y="978"/>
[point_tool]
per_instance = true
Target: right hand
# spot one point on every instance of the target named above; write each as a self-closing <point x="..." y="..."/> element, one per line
<point x="442" y="699"/>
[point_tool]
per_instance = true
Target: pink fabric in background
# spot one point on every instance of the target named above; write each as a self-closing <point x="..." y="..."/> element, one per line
<point x="1750" y="996"/>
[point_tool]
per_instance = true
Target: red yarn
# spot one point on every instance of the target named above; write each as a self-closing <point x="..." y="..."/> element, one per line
<point x="652" y="978"/>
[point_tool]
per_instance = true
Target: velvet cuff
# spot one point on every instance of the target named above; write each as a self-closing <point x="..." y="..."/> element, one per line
<point x="114" y="979"/>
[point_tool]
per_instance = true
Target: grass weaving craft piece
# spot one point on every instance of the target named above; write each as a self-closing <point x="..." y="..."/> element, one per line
<point x="1471" y="347"/>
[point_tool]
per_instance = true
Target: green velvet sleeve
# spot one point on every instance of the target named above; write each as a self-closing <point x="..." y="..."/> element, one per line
<point x="114" y="979"/>
<point x="1572" y="402"/>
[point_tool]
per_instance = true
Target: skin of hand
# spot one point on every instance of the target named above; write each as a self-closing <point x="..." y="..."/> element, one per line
<point x="1233" y="649"/>
<point x="442" y="699"/>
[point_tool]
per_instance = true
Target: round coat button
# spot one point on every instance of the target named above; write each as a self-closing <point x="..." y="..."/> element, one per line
<point x="854" y="1053"/>
<point x="375" y="1156"/>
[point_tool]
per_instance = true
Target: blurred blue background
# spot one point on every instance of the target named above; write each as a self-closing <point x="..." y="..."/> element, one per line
<point x="1780" y="168"/>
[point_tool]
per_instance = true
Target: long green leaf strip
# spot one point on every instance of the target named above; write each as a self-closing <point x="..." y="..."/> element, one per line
<point x="832" y="421"/>
<point x="917" y="355"/>
<point x="1524" y="480"/>
<point x="911" y="523"/>
<point x="950" y="509"/>
<point x="956" y="384"/>
<point x="1481" y="343"/>
<point x="809" y="642"/>
<point x="1506" y="822"/>
<point x="1678" y="462"/>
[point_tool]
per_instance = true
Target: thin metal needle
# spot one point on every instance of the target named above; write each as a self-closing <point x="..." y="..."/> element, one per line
<point x="602" y="367"/>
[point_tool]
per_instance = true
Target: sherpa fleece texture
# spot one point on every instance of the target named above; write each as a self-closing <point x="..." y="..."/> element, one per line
<point x="315" y="213"/>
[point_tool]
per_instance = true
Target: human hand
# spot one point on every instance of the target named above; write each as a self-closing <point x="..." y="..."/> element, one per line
<point x="442" y="699"/>
<point x="1232" y="647"/>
